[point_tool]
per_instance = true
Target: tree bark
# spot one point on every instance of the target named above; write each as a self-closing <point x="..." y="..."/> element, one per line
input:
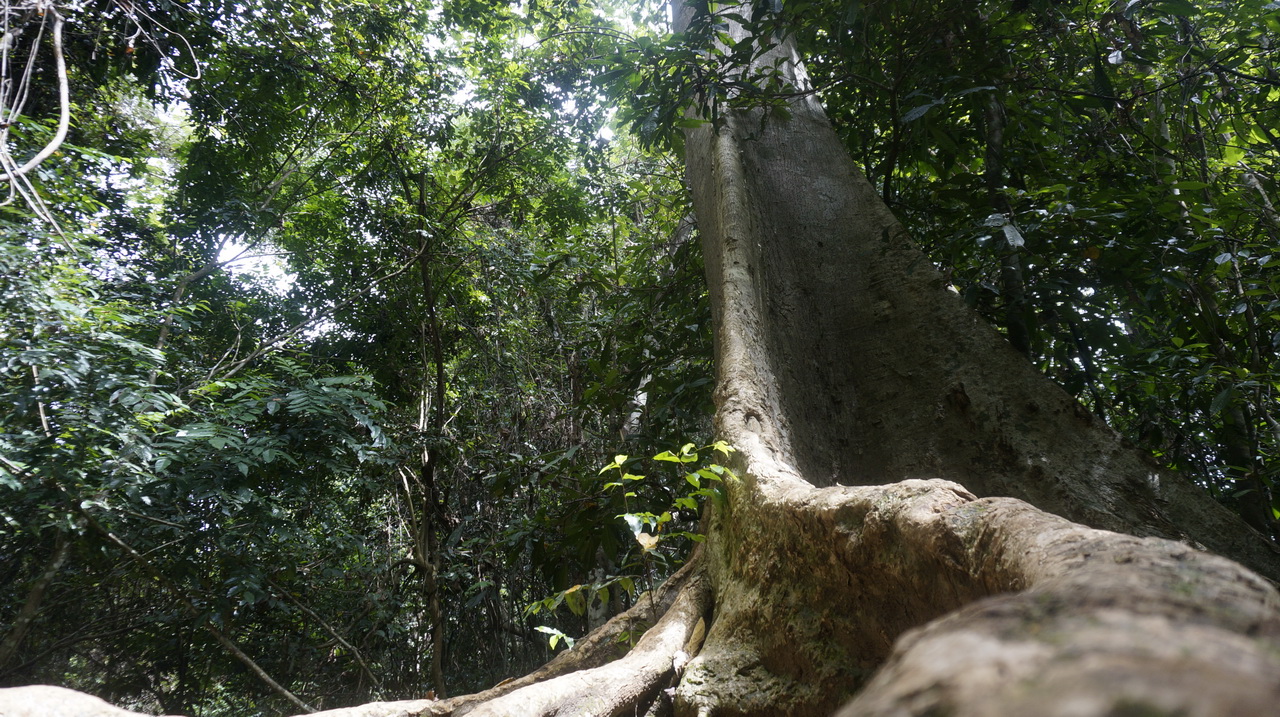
<point x="840" y="352"/>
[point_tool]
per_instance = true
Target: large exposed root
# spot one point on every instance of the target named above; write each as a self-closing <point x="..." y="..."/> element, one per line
<point x="956" y="605"/>
<point x="813" y="587"/>
<point x="628" y="685"/>
<point x="1109" y="624"/>
<point x="675" y="605"/>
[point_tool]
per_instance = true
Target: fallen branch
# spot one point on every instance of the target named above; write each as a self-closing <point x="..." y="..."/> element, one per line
<point x="355" y="653"/>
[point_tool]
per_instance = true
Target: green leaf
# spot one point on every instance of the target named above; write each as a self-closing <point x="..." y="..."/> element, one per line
<point x="1222" y="400"/>
<point x="1102" y="79"/>
<point x="710" y="473"/>
<point x="916" y="113"/>
<point x="574" y="599"/>
<point x="1182" y="8"/>
<point x="556" y="636"/>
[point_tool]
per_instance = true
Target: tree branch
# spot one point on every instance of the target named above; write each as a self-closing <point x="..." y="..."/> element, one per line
<point x="327" y="628"/>
<point x="64" y="101"/>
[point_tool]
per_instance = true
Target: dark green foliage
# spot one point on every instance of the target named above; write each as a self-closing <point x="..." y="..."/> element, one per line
<point x="398" y="421"/>
<point x="472" y="297"/>
<point x="222" y="489"/>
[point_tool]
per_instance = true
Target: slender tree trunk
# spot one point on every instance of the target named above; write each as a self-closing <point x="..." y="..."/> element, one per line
<point x="431" y="503"/>
<point x="35" y="597"/>
<point x="422" y="491"/>
<point x="1012" y="285"/>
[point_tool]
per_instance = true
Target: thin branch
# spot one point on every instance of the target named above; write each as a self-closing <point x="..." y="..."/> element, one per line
<point x="180" y="594"/>
<point x="64" y="100"/>
<point x="591" y="30"/>
<point x="130" y="8"/>
<point x="1251" y="78"/>
<point x="327" y="628"/>
<point x="19" y="471"/>
<point x="44" y="417"/>
<point x="151" y="518"/>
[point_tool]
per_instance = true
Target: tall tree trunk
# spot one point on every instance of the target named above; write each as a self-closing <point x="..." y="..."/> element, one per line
<point x="840" y="352"/>
<point x="432" y="505"/>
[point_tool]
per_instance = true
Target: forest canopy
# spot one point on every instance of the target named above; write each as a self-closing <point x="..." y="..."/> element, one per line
<point x="362" y="350"/>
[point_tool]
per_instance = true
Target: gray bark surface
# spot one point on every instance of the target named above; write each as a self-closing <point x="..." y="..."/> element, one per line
<point x="840" y="351"/>
<point x="966" y="606"/>
<point x="842" y="360"/>
<point x="1104" y="624"/>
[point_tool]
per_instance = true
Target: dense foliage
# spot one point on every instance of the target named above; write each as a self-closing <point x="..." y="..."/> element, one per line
<point x="317" y="330"/>
<point x="314" y="357"/>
